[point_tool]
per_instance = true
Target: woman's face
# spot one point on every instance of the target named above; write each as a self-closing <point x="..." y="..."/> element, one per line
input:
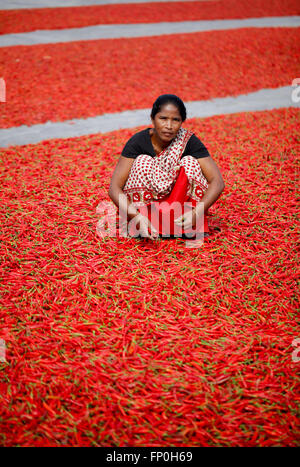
<point x="167" y="122"/>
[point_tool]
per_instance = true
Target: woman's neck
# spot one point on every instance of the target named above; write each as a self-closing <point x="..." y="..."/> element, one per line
<point x="157" y="143"/>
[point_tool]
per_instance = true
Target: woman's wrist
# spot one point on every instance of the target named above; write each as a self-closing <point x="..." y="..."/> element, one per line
<point x="132" y="211"/>
<point x="138" y="217"/>
<point x="198" y="209"/>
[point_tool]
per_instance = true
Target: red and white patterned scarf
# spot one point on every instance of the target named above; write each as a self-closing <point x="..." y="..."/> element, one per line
<point x="152" y="178"/>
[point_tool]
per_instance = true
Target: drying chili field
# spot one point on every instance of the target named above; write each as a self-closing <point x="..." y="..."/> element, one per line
<point x="122" y="342"/>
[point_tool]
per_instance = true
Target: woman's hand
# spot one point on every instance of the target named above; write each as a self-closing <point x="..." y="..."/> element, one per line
<point x="188" y="219"/>
<point x="145" y="227"/>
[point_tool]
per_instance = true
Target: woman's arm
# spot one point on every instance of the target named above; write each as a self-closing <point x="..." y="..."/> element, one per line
<point x="116" y="194"/>
<point x="215" y="182"/>
<point x="117" y="183"/>
<point x="216" y="185"/>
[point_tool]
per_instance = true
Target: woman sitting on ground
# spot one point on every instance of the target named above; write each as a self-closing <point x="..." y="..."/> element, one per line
<point x="150" y="162"/>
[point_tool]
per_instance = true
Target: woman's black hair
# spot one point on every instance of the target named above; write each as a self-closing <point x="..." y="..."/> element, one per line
<point x="169" y="99"/>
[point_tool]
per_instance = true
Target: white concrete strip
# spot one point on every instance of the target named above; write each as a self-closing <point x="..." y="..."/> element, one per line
<point x="22" y="4"/>
<point x="116" y="31"/>
<point x="265" y="99"/>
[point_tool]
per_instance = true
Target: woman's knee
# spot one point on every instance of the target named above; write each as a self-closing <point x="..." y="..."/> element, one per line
<point x="143" y="158"/>
<point x="191" y="166"/>
<point x="143" y="164"/>
<point x="188" y="160"/>
<point x="193" y="170"/>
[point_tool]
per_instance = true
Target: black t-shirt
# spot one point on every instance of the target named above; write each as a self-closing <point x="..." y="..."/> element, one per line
<point x="140" y="143"/>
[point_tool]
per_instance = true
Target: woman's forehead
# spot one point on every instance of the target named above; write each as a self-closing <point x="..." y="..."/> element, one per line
<point x="169" y="108"/>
